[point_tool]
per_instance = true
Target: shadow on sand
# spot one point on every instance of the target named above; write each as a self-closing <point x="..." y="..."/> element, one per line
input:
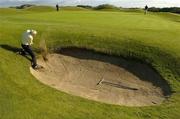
<point x="141" y="70"/>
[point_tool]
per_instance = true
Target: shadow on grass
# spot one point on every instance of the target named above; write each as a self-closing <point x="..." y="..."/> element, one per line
<point x="14" y="50"/>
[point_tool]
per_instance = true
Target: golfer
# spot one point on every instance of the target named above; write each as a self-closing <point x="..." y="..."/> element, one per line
<point x="57" y="7"/>
<point x="27" y="41"/>
<point x="145" y="9"/>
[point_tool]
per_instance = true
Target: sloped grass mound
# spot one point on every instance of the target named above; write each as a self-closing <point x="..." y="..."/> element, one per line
<point x="106" y="7"/>
<point x="72" y="8"/>
<point x="40" y="9"/>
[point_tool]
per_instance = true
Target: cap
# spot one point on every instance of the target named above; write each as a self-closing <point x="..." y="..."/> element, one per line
<point x="34" y="32"/>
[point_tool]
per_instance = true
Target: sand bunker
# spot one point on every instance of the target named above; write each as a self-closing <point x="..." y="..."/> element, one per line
<point x="102" y="78"/>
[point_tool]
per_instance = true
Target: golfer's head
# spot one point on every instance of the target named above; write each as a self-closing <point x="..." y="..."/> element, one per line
<point x="33" y="32"/>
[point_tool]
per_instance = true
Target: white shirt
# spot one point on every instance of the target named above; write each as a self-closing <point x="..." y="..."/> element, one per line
<point x="27" y="38"/>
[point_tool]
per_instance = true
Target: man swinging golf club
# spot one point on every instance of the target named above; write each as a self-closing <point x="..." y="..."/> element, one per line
<point x="26" y="42"/>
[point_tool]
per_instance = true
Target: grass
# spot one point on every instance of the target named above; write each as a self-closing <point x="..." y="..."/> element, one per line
<point x="40" y="8"/>
<point x="72" y="8"/>
<point x="152" y="38"/>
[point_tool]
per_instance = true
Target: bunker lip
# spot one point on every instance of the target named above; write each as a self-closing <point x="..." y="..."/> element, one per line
<point x="102" y="78"/>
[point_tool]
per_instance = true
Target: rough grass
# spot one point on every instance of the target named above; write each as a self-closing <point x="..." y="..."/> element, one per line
<point x="151" y="38"/>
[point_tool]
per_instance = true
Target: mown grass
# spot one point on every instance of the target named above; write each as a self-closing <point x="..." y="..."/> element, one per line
<point x="152" y="38"/>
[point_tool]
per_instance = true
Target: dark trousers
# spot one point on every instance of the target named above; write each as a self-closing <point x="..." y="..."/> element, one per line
<point x="28" y="49"/>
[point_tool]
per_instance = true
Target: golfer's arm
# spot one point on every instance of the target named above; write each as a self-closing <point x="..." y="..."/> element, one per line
<point x="30" y="41"/>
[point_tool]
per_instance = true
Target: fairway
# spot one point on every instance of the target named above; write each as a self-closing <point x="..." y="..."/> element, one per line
<point x="152" y="39"/>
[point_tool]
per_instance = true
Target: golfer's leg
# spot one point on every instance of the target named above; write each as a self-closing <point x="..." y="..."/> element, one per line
<point x="34" y="62"/>
<point x="31" y="53"/>
<point x="22" y="52"/>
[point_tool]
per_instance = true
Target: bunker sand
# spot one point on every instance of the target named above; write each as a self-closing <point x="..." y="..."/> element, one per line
<point x="102" y="78"/>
